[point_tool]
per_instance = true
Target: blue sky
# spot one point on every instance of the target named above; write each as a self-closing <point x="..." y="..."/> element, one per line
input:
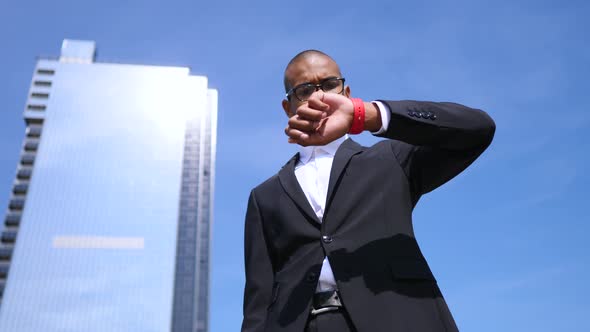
<point x="507" y="239"/>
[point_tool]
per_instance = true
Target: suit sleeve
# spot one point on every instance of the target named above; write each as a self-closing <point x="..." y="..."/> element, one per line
<point x="259" y="272"/>
<point x="441" y="140"/>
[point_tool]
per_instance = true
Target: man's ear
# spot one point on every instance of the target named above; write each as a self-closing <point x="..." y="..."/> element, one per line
<point x="347" y="91"/>
<point x="286" y="108"/>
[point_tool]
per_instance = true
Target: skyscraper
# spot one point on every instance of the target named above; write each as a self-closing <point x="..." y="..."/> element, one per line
<point x="108" y="225"/>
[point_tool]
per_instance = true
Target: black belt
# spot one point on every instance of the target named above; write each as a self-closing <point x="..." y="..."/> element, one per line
<point x="326" y="301"/>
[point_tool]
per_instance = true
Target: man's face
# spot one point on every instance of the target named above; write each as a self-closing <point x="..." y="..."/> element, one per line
<point x="311" y="69"/>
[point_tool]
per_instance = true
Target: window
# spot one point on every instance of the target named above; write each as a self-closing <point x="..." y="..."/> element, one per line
<point x="24" y="173"/>
<point x="36" y="107"/>
<point x="33" y="121"/>
<point x="42" y="83"/>
<point x="16" y="204"/>
<point x="27" y="159"/>
<point x="5" y="253"/>
<point x="34" y="130"/>
<point x="42" y="71"/>
<point x="9" y="236"/>
<point x="12" y="219"/>
<point x="20" y="188"/>
<point x="4" y="269"/>
<point x="40" y="95"/>
<point x="31" y="145"/>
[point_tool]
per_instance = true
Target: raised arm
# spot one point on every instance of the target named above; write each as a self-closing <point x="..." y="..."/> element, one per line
<point x="432" y="141"/>
<point x="441" y="140"/>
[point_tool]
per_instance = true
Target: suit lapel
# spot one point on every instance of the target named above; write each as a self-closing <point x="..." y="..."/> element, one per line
<point x="348" y="149"/>
<point x="291" y="185"/>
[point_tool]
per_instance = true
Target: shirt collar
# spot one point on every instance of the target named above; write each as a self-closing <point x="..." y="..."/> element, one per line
<point x="306" y="152"/>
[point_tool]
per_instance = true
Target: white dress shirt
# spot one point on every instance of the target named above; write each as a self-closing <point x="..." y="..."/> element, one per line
<point x="313" y="174"/>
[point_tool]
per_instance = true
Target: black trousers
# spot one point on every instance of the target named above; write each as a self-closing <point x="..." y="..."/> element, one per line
<point x="332" y="321"/>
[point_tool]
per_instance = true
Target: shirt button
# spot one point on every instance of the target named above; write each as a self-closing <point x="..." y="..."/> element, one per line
<point x="327" y="239"/>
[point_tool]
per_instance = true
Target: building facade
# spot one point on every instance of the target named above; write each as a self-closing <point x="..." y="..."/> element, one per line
<point x="109" y="223"/>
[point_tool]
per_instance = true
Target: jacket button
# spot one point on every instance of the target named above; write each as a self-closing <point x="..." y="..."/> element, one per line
<point x="311" y="277"/>
<point x="433" y="116"/>
<point x="327" y="239"/>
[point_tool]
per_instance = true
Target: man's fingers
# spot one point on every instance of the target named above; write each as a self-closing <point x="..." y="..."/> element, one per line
<point x="311" y="114"/>
<point x="303" y="138"/>
<point x="296" y="122"/>
<point x="313" y="139"/>
<point x="295" y="135"/>
<point x="335" y="101"/>
<point x="316" y="101"/>
<point x="306" y="138"/>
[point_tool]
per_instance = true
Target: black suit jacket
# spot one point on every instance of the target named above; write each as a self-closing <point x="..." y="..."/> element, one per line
<point x="384" y="280"/>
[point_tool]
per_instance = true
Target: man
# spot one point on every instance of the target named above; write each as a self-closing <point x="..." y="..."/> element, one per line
<point x="329" y="243"/>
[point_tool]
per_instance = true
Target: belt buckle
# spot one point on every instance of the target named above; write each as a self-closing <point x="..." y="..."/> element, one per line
<point x="328" y="301"/>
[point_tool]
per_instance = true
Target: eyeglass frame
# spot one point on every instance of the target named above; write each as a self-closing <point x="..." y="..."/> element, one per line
<point x="316" y="86"/>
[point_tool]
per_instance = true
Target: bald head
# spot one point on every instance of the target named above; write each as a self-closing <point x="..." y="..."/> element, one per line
<point x="301" y="61"/>
<point x="311" y="66"/>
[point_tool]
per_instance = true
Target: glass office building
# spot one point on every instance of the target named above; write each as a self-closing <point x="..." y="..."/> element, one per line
<point x="109" y="223"/>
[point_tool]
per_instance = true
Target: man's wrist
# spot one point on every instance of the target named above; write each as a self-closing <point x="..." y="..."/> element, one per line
<point x="372" y="117"/>
<point x="358" y="116"/>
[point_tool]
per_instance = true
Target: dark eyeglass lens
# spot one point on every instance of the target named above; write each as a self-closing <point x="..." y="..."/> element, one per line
<point x="305" y="91"/>
<point x="331" y="84"/>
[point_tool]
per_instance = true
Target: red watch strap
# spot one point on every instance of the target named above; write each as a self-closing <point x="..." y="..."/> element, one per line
<point x="358" y="120"/>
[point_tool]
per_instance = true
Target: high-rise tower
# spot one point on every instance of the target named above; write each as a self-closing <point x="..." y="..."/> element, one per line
<point x="108" y="226"/>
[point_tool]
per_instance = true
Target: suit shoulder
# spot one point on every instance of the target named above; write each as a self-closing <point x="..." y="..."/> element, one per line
<point x="266" y="184"/>
<point x="272" y="182"/>
<point x="392" y="145"/>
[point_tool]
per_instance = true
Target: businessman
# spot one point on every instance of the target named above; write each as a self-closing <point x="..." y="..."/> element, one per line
<point x="329" y="242"/>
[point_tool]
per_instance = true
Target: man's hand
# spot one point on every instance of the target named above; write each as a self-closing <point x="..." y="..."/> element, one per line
<point x="324" y="118"/>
